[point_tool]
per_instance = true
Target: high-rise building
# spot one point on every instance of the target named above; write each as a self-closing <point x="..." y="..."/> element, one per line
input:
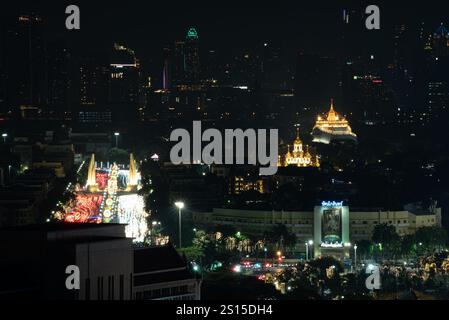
<point x="192" y="57"/>
<point x="275" y="68"/>
<point x="178" y="64"/>
<point x="124" y="76"/>
<point x="124" y="94"/>
<point x="316" y="80"/>
<point x="434" y="80"/>
<point x="440" y="42"/>
<point x="58" y="75"/>
<point x="3" y="82"/>
<point x="93" y="86"/>
<point x="166" y="70"/>
<point x="25" y="61"/>
<point x="437" y="102"/>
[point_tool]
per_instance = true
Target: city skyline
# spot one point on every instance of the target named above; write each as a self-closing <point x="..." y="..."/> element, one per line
<point x="193" y="151"/>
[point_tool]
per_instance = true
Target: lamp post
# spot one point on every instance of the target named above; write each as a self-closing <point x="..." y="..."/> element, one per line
<point x="116" y="134"/>
<point x="180" y="206"/>
<point x="4" y="136"/>
<point x="308" y="243"/>
<point x="355" y="257"/>
<point x="307" y="251"/>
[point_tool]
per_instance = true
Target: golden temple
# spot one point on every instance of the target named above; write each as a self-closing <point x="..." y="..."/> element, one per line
<point x="332" y="127"/>
<point x="300" y="156"/>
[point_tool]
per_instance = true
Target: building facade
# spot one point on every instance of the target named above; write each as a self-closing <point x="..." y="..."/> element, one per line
<point x="35" y="259"/>
<point x="331" y="225"/>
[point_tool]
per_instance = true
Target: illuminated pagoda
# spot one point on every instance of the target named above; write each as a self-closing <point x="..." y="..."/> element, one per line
<point x="300" y="156"/>
<point x="332" y="127"/>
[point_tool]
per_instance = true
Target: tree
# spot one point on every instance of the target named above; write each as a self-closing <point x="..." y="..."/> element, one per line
<point x="432" y="238"/>
<point x="280" y="236"/>
<point x="408" y="245"/>
<point x="325" y="262"/>
<point x="387" y="239"/>
<point x="118" y="155"/>
<point x="364" y="248"/>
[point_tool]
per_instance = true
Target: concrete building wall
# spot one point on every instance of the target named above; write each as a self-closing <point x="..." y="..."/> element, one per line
<point x="106" y="269"/>
<point x="356" y="225"/>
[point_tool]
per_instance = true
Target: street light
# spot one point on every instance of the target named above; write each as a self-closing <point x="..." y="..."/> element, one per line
<point x="116" y="134"/>
<point x="308" y="243"/>
<point x="355" y="257"/>
<point x="4" y="136"/>
<point x="180" y="206"/>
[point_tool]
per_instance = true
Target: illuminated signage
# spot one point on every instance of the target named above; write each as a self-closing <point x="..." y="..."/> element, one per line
<point x="192" y="34"/>
<point x="332" y="204"/>
<point x="331" y="245"/>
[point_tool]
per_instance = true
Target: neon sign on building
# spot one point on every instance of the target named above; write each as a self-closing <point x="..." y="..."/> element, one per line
<point x="332" y="204"/>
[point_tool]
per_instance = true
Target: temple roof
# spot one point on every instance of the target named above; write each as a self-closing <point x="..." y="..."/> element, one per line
<point x="298" y="139"/>
<point x="332" y="115"/>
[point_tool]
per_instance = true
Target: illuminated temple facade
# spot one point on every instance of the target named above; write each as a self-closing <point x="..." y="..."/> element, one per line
<point x="332" y="127"/>
<point x="300" y="156"/>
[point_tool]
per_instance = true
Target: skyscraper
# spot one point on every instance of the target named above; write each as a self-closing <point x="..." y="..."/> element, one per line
<point x="93" y="76"/>
<point x="440" y="43"/>
<point x="25" y="61"/>
<point x="166" y="70"/>
<point x="58" y="71"/>
<point x="316" y="80"/>
<point x="124" y="76"/>
<point x="124" y="96"/>
<point x="178" y="64"/>
<point x="192" y="57"/>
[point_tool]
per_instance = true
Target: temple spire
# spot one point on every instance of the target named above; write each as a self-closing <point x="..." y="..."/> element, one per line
<point x="332" y="105"/>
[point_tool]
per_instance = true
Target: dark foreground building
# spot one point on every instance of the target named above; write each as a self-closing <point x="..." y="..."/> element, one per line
<point x="35" y="259"/>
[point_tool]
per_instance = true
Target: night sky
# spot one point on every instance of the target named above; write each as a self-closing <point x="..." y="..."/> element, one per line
<point x="147" y="26"/>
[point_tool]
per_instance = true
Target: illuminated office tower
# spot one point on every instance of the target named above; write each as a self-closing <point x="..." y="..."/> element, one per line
<point x="192" y="57"/>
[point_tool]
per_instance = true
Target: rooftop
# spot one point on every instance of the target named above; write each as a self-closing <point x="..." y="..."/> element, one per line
<point x="157" y="259"/>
